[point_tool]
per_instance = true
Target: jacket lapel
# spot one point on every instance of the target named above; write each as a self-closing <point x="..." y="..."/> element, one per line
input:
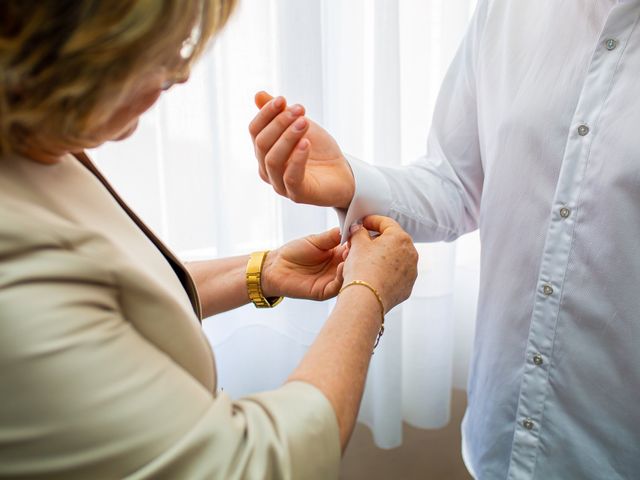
<point x="177" y="266"/>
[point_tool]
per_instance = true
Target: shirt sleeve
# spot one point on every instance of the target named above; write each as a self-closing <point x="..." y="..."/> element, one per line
<point x="84" y="395"/>
<point x="438" y="196"/>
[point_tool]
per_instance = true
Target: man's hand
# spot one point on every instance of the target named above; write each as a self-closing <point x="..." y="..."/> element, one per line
<point x="310" y="267"/>
<point x="297" y="157"/>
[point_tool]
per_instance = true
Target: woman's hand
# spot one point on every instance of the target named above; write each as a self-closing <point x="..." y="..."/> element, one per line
<point x="310" y="267"/>
<point x="388" y="262"/>
<point x="298" y="158"/>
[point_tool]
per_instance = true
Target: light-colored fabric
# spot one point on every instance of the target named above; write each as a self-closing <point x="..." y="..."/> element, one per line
<point x="535" y="141"/>
<point x="104" y="371"/>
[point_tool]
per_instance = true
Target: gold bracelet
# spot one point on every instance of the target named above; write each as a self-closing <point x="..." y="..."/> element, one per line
<point x="378" y="297"/>
<point x="254" y="278"/>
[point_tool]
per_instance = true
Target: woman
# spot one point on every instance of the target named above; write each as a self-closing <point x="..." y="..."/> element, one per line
<point x="104" y="370"/>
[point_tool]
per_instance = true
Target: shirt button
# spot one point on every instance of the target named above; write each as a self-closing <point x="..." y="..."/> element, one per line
<point x="583" y="130"/>
<point x="547" y="289"/>
<point x="528" y="424"/>
<point x="537" y="359"/>
<point x="565" y="212"/>
<point x="611" y="43"/>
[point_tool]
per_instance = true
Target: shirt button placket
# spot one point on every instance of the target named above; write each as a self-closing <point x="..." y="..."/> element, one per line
<point x="558" y="245"/>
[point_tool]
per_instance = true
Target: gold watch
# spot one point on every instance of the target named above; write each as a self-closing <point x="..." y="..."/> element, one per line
<point x="254" y="287"/>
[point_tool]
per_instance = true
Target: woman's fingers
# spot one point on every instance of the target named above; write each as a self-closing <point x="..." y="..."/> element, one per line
<point x="359" y="237"/>
<point x="325" y="240"/>
<point x="284" y="146"/>
<point x="332" y="288"/>
<point x="388" y="261"/>
<point x="378" y="223"/>
<point x="340" y="274"/>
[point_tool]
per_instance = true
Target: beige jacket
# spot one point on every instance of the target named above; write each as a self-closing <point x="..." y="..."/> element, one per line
<point x="104" y="370"/>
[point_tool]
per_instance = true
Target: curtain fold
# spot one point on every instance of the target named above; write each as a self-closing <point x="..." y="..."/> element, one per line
<point x="369" y="72"/>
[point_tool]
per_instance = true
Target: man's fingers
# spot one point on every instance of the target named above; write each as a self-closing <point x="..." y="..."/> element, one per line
<point x="277" y="125"/>
<point x="266" y="114"/>
<point x="293" y="176"/>
<point x="262" y="98"/>
<point x="282" y="152"/>
<point x="275" y="144"/>
<point x="379" y="223"/>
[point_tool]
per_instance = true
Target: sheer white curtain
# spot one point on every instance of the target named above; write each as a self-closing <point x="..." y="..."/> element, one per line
<point x="367" y="70"/>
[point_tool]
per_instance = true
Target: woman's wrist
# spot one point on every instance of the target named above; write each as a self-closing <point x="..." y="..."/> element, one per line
<point x="362" y="306"/>
<point x="221" y="283"/>
<point x="268" y="280"/>
<point x="376" y="294"/>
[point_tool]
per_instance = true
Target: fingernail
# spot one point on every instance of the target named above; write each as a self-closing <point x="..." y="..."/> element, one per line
<point x="300" y="124"/>
<point x="296" y="110"/>
<point x="303" y="144"/>
<point x="354" y="228"/>
<point x="278" y="102"/>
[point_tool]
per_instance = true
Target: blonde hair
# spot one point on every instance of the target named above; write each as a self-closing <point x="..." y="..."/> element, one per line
<point x="63" y="63"/>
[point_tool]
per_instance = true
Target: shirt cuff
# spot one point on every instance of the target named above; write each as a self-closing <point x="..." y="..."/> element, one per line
<point x="372" y="195"/>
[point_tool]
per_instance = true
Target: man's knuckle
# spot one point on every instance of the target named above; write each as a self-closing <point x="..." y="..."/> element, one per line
<point x="261" y="143"/>
<point x="253" y="130"/>
<point x="283" y="120"/>
<point x="294" y="196"/>
<point x="270" y="161"/>
<point x="278" y="189"/>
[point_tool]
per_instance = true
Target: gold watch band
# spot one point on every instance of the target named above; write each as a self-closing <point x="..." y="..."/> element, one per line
<point x="254" y="287"/>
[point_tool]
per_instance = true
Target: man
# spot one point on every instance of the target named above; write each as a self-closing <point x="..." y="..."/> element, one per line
<point x="535" y="141"/>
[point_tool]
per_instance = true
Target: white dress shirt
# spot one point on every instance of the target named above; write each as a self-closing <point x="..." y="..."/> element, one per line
<point x="536" y="142"/>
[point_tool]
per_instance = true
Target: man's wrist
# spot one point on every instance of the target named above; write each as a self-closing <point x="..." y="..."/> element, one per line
<point x="350" y="191"/>
<point x="371" y="195"/>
